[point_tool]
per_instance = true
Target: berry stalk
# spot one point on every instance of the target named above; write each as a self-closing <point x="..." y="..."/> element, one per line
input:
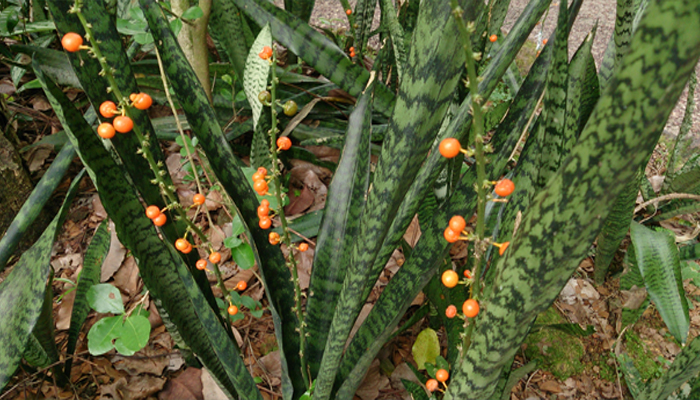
<point x="286" y="235"/>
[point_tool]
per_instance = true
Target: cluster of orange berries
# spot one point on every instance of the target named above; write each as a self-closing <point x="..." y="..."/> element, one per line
<point x="441" y="376"/>
<point x="121" y="123"/>
<point x="265" y="220"/>
<point x="260" y="183"/>
<point x="352" y="52"/>
<point x="266" y="53"/>
<point x="470" y="308"/>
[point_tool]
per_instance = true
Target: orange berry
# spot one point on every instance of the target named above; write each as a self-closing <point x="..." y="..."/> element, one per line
<point x="493" y="38"/>
<point x="143" y="101"/>
<point x="263" y="211"/>
<point x="457" y="223"/>
<point x="258" y="177"/>
<point x="232" y="310"/>
<point x="133" y="96"/>
<point x="431" y="385"/>
<point x="266" y="53"/>
<point x="106" y="130"/>
<point x="544" y="41"/>
<point x="123" y="124"/>
<point x="303" y="247"/>
<point x="274" y="238"/>
<point x="451" y="311"/>
<point x="215" y="257"/>
<point x="351" y="49"/>
<point x="502" y="248"/>
<point x="71" y="42"/>
<point x="182" y="244"/>
<point x="450" y="235"/>
<point x="450" y="148"/>
<point x="187" y="250"/>
<point x="260" y="187"/>
<point x="201" y="264"/>
<point x="284" y="143"/>
<point x="160" y="220"/>
<point x="504" y="187"/>
<point x="152" y="212"/>
<point x="468" y="274"/>
<point x="108" y="109"/>
<point x="348" y="11"/>
<point x="442" y="375"/>
<point x="265" y="223"/>
<point x="450" y="278"/>
<point x="241" y="286"/>
<point x="263" y="171"/>
<point x="198" y="199"/>
<point x="470" y="308"/>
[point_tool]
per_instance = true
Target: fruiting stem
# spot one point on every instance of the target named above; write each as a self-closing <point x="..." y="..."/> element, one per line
<point x="480" y="243"/>
<point x="286" y="235"/>
<point x="165" y="188"/>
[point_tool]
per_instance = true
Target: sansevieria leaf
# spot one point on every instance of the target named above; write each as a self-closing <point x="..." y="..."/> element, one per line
<point x="161" y="268"/>
<point x="89" y="275"/>
<point x="22" y="293"/>
<point x="659" y="263"/>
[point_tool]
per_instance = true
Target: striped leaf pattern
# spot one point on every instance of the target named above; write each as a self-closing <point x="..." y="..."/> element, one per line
<point x="659" y="263"/>
<point x="684" y="367"/>
<point x="89" y="275"/>
<point x="566" y="215"/>
<point x="274" y="272"/>
<point x="417" y="115"/>
<point x="162" y="270"/>
<point x="346" y="198"/>
<point x="226" y="27"/>
<point x="35" y="203"/>
<point x="22" y="295"/>
<point x="316" y="50"/>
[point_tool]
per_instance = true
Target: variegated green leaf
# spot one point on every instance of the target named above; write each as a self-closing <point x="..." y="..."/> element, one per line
<point x="346" y="198"/>
<point x="226" y="27"/>
<point x="35" y="203"/>
<point x="659" y="262"/>
<point x="417" y="115"/>
<point x="363" y="17"/>
<point x="682" y="144"/>
<point x="684" y="367"/>
<point x="89" y="276"/>
<point x="620" y="40"/>
<point x="22" y="294"/>
<point x="397" y="35"/>
<point x="565" y="216"/>
<point x="274" y="272"/>
<point x="256" y="72"/>
<point x="615" y="228"/>
<point x="161" y="268"/>
<point x="316" y="50"/>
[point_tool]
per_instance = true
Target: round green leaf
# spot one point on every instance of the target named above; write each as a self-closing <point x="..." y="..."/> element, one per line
<point x="102" y="334"/>
<point x="105" y="298"/>
<point x="426" y="348"/>
<point x="134" y="335"/>
<point x="243" y="256"/>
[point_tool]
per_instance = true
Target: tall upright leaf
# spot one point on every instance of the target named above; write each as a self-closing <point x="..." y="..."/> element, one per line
<point x="316" y="50"/>
<point x="431" y="76"/>
<point x="22" y="293"/>
<point x="565" y="216"/>
<point x="161" y="268"/>
<point x="346" y="198"/>
<point x="659" y="262"/>
<point x="35" y="202"/>
<point x="89" y="275"/>
<point x="274" y="272"/>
